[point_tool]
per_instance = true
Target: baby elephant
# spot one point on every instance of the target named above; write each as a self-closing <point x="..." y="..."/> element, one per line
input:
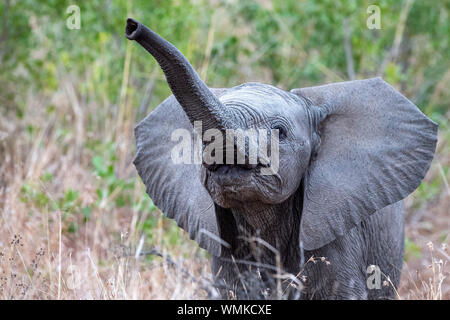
<point x="321" y="215"/>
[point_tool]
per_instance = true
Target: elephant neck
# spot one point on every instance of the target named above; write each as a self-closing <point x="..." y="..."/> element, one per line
<point x="267" y="231"/>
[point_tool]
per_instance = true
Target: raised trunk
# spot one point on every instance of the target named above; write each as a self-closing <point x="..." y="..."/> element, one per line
<point x="197" y="101"/>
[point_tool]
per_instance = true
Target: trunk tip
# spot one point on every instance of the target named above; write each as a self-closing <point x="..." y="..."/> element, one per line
<point x="132" y="29"/>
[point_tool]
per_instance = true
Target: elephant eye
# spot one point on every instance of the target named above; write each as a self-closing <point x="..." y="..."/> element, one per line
<point x="281" y="131"/>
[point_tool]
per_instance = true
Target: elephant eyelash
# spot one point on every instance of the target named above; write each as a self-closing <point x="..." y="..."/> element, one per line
<point x="282" y="132"/>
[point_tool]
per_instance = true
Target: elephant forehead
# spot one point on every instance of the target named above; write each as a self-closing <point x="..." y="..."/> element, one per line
<point x="261" y="100"/>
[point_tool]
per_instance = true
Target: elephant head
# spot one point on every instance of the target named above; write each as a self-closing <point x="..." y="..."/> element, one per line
<point x="354" y="147"/>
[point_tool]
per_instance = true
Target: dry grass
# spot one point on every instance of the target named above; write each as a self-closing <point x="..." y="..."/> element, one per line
<point x="426" y="272"/>
<point x="42" y="258"/>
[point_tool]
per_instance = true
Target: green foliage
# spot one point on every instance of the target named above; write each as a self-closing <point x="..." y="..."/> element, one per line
<point x="412" y="250"/>
<point x="31" y="194"/>
<point x="110" y="184"/>
<point x="427" y="191"/>
<point x="296" y="42"/>
<point x="68" y="203"/>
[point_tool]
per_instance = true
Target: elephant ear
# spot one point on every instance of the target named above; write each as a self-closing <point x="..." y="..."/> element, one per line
<point x="176" y="189"/>
<point x="376" y="147"/>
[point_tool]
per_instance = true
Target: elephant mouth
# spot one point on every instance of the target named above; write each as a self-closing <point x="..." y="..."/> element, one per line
<point x="228" y="184"/>
<point x="232" y="185"/>
<point x="232" y="175"/>
<point x="228" y="175"/>
<point x="226" y="167"/>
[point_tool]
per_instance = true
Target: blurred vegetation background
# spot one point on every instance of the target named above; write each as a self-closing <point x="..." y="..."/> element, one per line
<point x="69" y="100"/>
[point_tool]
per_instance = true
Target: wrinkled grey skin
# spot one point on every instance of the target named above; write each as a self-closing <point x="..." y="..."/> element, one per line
<point x="349" y="153"/>
<point x="377" y="241"/>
